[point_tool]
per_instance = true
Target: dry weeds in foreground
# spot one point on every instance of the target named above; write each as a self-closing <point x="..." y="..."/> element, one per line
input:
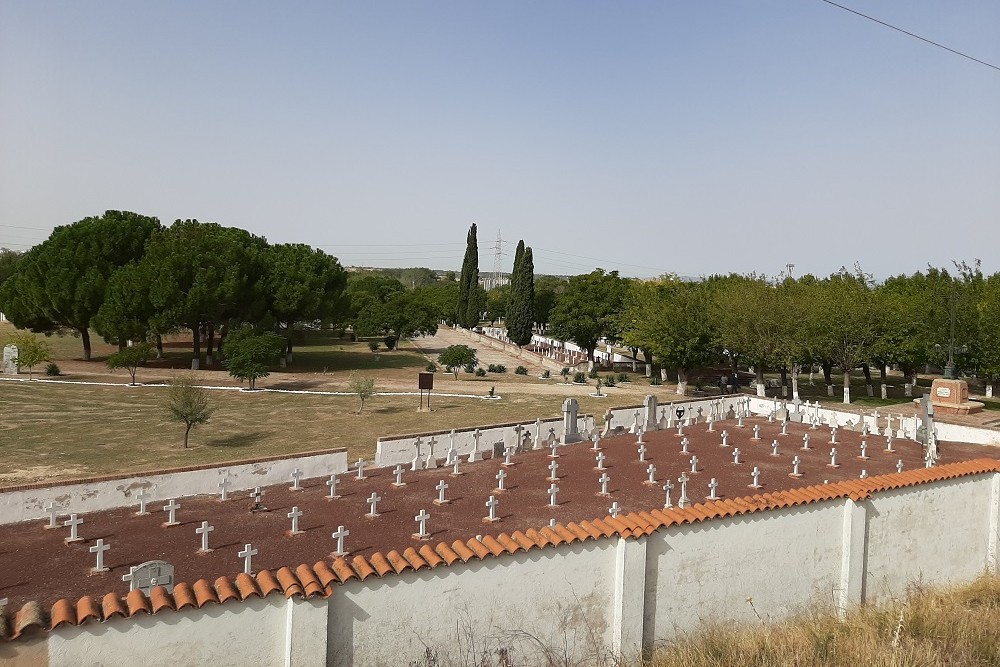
<point x="956" y="627"/>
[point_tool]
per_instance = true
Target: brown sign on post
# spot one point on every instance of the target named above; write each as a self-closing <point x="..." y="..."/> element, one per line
<point x="427" y="381"/>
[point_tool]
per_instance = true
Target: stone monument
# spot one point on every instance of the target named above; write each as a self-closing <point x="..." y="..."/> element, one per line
<point x="10" y="366"/>
<point x="951" y="397"/>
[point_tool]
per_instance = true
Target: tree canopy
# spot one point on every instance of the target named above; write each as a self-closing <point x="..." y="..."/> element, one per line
<point x="589" y="310"/>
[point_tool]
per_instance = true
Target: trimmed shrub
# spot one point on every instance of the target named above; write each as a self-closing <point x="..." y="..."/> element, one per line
<point x="496" y="368"/>
<point x="471" y="368"/>
<point x="655" y="381"/>
<point x="520" y="370"/>
<point x="609" y="381"/>
<point x="593" y="374"/>
<point x="546" y="375"/>
<point x="580" y="377"/>
<point x="623" y="377"/>
<point x="480" y="373"/>
<point x="431" y="368"/>
<point x="373" y="346"/>
<point x="52" y="370"/>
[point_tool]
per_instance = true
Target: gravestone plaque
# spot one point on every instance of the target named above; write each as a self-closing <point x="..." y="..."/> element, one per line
<point x="149" y="575"/>
<point x="10" y="366"/>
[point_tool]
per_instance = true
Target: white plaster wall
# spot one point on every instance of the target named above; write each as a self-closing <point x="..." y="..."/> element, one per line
<point x="782" y="559"/>
<point x="936" y="533"/>
<point x="235" y="634"/>
<point x="561" y="597"/>
<point x="28" y="504"/>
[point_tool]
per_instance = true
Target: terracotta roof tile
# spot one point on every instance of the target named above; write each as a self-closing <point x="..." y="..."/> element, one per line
<point x="398" y="563"/>
<point x="602" y="526"/>
<point x="325" y="575"/>
<point x="226" y="590"/>
<point x="537" y="538"/>
<point x="493" y="545"/>
<point x="62" y="613"/>
<point x="28" y="619"/>
<point x="478" y="548"/>
<point x="362" y="568"/>
<point x="523" y="540"/>
<point x="203" y="593"/>
<point x="309" y="580"/>
<point x="380" y="563"/>
<point x="430" y="556"/>
<point x="160" y="599"/>
<point x="509" y="544"/>
<point x="343" y="570"/>
<point x="591" y="529"/>
<point x="414" y="559"/>
<point x="447" y="554"/>
<point x="551" y="536"/>
<point x="247" y="586"/>
<point x="569" y="536"/>
<point x="579" y="533"/>
<point x="137" y="602"/>
<point x="87" y="609"/>
<point x="183" y="597"/>
<point x="111" y="605"/>
<point x="268" y="583"/>
<point x="463" y="552"/>
<point x="289" y="583"/>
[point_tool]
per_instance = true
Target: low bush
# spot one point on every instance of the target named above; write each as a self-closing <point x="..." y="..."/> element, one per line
<point x="431" y="368"/>
<point x="565" y="373"/>
<point x="593" y="374"/>
<point x="520" y="370"/>
<point x="480" y="373"/>
<point x="580" y="377"/>
<point x="623" y="377"/>
<point x="546" y="375"/>
<point x="373" y="346"/>
<point x="471" y="368"/>
<point x="52" y="370"/>
<point x="496" y="368"/>
<point x="655" y="381"/>
<point x="609" y="381"/>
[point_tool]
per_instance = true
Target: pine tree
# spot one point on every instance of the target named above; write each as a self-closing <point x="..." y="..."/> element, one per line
<point x="468" y="298"/>
<point x="521" y="304"/>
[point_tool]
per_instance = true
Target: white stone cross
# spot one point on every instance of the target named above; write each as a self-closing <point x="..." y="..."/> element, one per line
<point x="99" y="548"/>
<point x="667" y="488"/>
<point x="680" y="428"/>
<point x="492" y="505"/>
<point x="683" y="501"/>
<point x="684" y="446"/>
<point x="795" y="467"/>
<point x="652" y="473"/>
<point x="171" y="508"/>
<point x="332" y="483"/>
<point x="399" y="476"/>
<point x="712" y="486"/>
<point x="73" y="522"/>
<point x="805" y="441"/>
<point x="257" y="495"/>
<point x="476" y="435"/>
<point x="361" y="468"/>
<point x="537" y="442"/>
<point x="374" y="501"/>
<point x="441" y="488"/>
<point x="928" y="459"/>
<point x="339" y="535"/>
<point x="694" y="464"/>
<point x="454" y="466"/>
<point x="864" y="474"/>
<point x="501" y="478"/>
<point x="130" y="578"/>
<point x="711" y="424"/>
<point x="736" y="455"/>
<point x="597" y="441"/>
<point x="508" y="454"/>
<point x="553" y="470"/>
<point x="204" y="530"/>
<point x="899" y="465"/>
<point x="247" y="555"/>
<point x="739" y="421"/>
<point x="864" y="450"/>
<point x="553" y="490"/>
<point x="296" y="476"/>
<point x="51" y="509"/>
<point x="294" y="516"/>
<point x="642" y="453"/>
<point x="141" y="496"/>
<point x="774" y="448"/>
<point x="833" y="458"/>
<point x="614" y="509"/>
<point x="888" y="444"/>
<point x="756" y="431"/>
<point x="784" y="427"/>
<point x="554" y="445"/>
<point x="833" y="435"/>
<point x="604" y="479"/>
<point x="725" y="438"/>
<point x="224" y="489"/>
<point x="756" y="478"/>
<point x="422" y="520"/>
<point x="600" y="460"/>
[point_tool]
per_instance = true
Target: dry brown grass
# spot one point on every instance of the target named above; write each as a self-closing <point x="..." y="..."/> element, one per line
<point x="957" y="627"/>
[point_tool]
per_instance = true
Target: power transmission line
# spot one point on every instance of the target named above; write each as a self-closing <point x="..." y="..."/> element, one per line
<point x="907" y="32"/>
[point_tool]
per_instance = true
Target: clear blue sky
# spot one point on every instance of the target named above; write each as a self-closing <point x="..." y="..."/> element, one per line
<point x="693" y="137"/>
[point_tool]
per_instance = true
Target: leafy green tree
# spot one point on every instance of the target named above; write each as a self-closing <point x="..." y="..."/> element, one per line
<point x="468" y="300"/>
<point x="589" y="309"/>
<point x="457" y="356"/>
<point x="521" y="308"/>
<point x="383" y="307"/>
<point x="363" y="387"/>
<point x="30" y="350"/>
<point x="747" y="320"/>
<point x="188" y="403"/>
<point x="67" y="275"/>
<point x="496" y="303"/>
<point x="302" y="284"/>
<point x="547" y="288"/>
<point x="905" y="339"/>
<point x="670" y="318"/>
<point x="989" y="343"/>
<point x="130" y="358"/>
<point x="8" y="262"/>
<point x="127" y="312"/>
<point x="249" y="353"/>
<point x="203" y="276"/>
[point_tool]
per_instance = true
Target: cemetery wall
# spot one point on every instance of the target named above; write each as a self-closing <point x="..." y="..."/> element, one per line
<point x="583" y="600"/>
<point x="26" y="502"/>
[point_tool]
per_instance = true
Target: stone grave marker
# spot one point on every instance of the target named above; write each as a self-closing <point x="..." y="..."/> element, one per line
<point x="147" y="576"/>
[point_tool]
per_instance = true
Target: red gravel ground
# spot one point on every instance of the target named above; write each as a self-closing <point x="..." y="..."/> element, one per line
<point x="37" y="564"/>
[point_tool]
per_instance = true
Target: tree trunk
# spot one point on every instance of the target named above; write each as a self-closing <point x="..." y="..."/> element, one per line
<point x="847" y="387"/>
<point x="187" y="432"/>
<point x="288" y="346"/>
<point x="196" y="359"/>
<point x="784" y="381"/>
<point x="828" y="376"/>
<point x="85" y="336"/>
<point x="795" y="386"/>
<point x="211" y="344"/>
<point x="682" y="382"/>
<point x="122" y="344"/>
<point x="759" y="376"/>
<point x="866" y="369"/>
<point x="159" y="346"/>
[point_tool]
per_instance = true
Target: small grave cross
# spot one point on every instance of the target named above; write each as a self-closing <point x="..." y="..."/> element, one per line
<point x="454" y="466"/>
<point x="171" y="508"/>
<point x="652" y="474"/>
<point x="554" y="445"/>
<point x="680" y="428"/>
<point x="888" y="444"/>
<point x="553" y="490"/>
<point x="604" y="479"/>
<point x="774" y="448"/>
<point x="684" y="446"/>
<point x="374" y="501"/>
<point x="294" y="516"/>
<point x="899" y="465"/>
<point x="257" y="495"/>
<point x="597" y="442"/>
<point x="712" y="486"/>
<point x="864" y="474"/>
<point x="224" y="489"/>
<point x="361" y="468"/>
<point x="756" y="478"/>
<point x="141" y="496"/>
<point x="501" y="478"/>
<point x="51" y="509"/>
<point x="864" y="450"/>
<point x="833" y="435"/>
<point x="553" y="470"/>
<point x="784" y="427"/>
<point x="711" y="424"/>
<point x="508" y="454"/>
<point x="441" y="488"/>
<point x="204" y="530"/>
<point x="725" y="438"/>
<point x="398" y="471"/>
<point x="805" y="441"/>
<point x="756" y="431"/>
<point x="332" y="483"/>
<point x="247" y="555"/>
<point x="683" y="501"/>
<point x="614" y="509"/>
<point x="736" y="455"/>
<point x="339" y="535"/>
<point x="833" y="458"/>
<point x="422" y="520"/>
<point x="600" y="460"/>
<point x="642" y="453"/>
<point x="73" y="522"/>
<point x="694" y="464"/>
<point x="667" y="488"/>
<point x="99" y="548"/>
<point x="795" y="467"/>
<point x="492" y="505"/>
<point x="296" y="476"/>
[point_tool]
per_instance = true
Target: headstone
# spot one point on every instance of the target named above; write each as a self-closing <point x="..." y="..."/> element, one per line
<point x="171" y="508"/>
<point x="99" y="548"/>
<point x="247" y="555"/>
<point x="774" y="448"/>
<point x="651" y="470"/>
<point x="756" y="431"/>
<point x="795" y="467"/>
<point x="10" y="365"/>
<point x="649" y="406"/>
<point x="373" y="501"/>
<point x="398" y="471"/>
<point x="683" y="501"/>
<point x="713" y="485"/>
<point x="899" y="465"/>
<point x="501" y="479"/>
<point x="422" y="520"/>
<point x="736" y="456"/>
<point x="756" y="478"/>
<point x="600" y="460"/>
<point x="642" y="453"/>
<point x="339" y="535"/>
<point x="147" y="576"/>
<point x="864" y="451"/>
<point x="361" y="469"/>
<point x="553" y="491"/>
<point x="440" y="488"/>
<point x="52" y="510"/>
<point x="571" y="408"/>
<point x="604" y="479"/>
<point x="294" y="516"/>
<point x="694" y="464"/>
<point x="491" y="505"/>
<point x="684" y="446"/>
<point x="725" y="438"/>
<point x="224" y="489"/>
<point x="667" y="488"/>
<point x="537" y="444"/>
<point x="204" y="530"/>
<point x="332" y="483"/>
<point x="614" y="510"/>
<point x="553" y="471"/>
<point x="805" y="441"/>
<point x="833" y="458"/>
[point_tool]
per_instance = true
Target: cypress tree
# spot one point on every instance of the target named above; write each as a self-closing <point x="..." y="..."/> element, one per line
<point x="468" y="301"/>
<point x="521" y="304"/>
